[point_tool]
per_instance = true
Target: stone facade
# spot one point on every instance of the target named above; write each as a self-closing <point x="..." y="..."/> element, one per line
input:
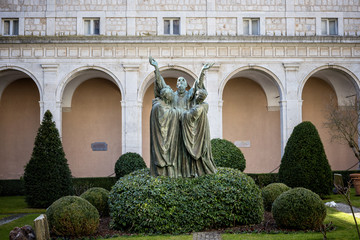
<point x="275" y="26"/>
<point x="196" y="26"/>
<point x="35" y="26"/>
<point x="65" y="26"/>
<point x="305" y="26"/>
<point x="115" y="27"/>
<point x="146" y="26"/>
<point x="352" y="26"/>
<point x="250" y="5"/>
<point x="90" y="5"/>
<point x="226" y="26"/>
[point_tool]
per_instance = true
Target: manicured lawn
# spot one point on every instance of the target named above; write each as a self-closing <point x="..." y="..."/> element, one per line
<point x="26" y="220"/>
<point x="16" y="204"/>
<point x="355" y="200"/>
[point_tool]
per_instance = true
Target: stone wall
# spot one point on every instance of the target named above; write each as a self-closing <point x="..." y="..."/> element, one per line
<point x="171" y="5"/>
<point x="22" y="5"/>
<point x="250" y="5"/>
<point x="352" y="26"/>
<point x="35" y="26"/>
<point x="115" y="27"/>
<point x="327" y="5"/>
<point x="146" y="26"/>
<point x="196" y="26"/>
<point x="65" y="26"/>
<point x="226" y="26"/>
<point x="90" y="5"/>
<point x="305" y="27"/>
<point x="275" y="26"/>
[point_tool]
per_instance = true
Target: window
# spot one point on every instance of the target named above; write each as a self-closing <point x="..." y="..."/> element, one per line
<point x="329" y="26"/>
<point x="251" y="26"/>
<point x="172" y="26"/>
<point x="92" y="26"/>
<point x="11" y="27"/>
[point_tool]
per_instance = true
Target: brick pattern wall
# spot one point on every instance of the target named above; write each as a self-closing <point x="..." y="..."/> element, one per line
<point x="35" y="26"/>
<point x="196" y="26"/>
<point x="250" y="5"/>
<point x="352" y="26"/>
<point x="146" y="26"/>
<point x="226" y="26"/>
<point x="115" y="27"/>
<point x="22" y="5"/>
<point x="171" y="5"/>
<point x="305" y="27"/>
<point x="90" y="5"/>
<point x="275" y="26"/>
<point x="327" y="5"/>
<point x="65" y="26"/>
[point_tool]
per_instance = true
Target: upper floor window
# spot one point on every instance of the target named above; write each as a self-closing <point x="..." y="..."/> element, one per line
<point x="10" y="27"/>
<point x="172" y="26"/>
<point x="251" y="26"/>
<point x="91" y="26"/>
<point x="329" y="26"/>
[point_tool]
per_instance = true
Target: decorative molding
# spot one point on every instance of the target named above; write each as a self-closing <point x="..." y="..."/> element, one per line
<point x="50" y="67"/>
<point x="131" y="67"/>
<point x="291" y="66"/>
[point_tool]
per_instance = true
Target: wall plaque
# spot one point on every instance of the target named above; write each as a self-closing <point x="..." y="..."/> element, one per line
<point x="99" y="146"/>
<point x="242" y="144"/>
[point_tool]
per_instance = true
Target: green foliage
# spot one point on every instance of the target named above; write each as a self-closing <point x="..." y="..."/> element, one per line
<point x="264" y="179"/>
<point x="299" y="208"/>
<point x="80" y="185"/>
<point x="144" y="204"/>
<point x="226" y="154"/>
<point x="72" y="216"/>
<point x="47" y="175"/>
<point x="127" y="163"/>
<point x="271" y="192"/>
<point x="304" y="163"/>
<point x="12" y="187"/>
<point x="98" y="197"/>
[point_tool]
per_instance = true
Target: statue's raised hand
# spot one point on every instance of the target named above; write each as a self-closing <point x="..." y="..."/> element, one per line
<point x="207" y="66"/>
<point x="153" y="62"/>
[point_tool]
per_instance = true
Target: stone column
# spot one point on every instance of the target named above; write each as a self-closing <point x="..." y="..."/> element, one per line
<point x="49" y="92"/>
<point x="291" y="105"/>
<point x="215" y="105"/>
<point x="50" y="17"/>
<point x="131" y="111"/>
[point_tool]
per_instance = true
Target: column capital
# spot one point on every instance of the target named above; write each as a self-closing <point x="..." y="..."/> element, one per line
<point x="215" y="68"/>
<point x="131" y="67"/>
<point x="291" y="66"/>
<point x="50" y="67"/>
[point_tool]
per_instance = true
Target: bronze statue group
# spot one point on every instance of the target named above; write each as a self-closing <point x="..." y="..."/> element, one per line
<point x="179" y="128"/>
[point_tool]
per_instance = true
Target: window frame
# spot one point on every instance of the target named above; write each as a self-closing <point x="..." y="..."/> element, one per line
<point x="92" y="26"/>
<point x="171" y="24"/>
<point x="250" y="26"/>
<point x="327" y="31"/>
<point x="12" y="31"/>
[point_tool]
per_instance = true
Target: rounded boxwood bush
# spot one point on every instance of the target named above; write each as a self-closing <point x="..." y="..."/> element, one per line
<point x="226" y="154"/>
<point x="299" y="208"/>
<point x="304" y="163"/>
<point x="98" y="197"/>
<point x="127" y="163"/>
<point x="271" y="192"/>
<point x="72" y="216"/>
<point x="144" y="204"/>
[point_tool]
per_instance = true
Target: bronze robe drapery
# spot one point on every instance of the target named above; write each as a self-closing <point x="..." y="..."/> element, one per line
<point x="196" y="137"/>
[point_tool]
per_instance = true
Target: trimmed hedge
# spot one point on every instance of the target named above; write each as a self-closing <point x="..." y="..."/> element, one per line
<point x="304" y="163"/>
<point x="12" y="187"/>
<point x="299" y="208"/>
<point x="144" y="204"/>
<point x="127" y="163"/>
<point x="271" y="192"/>
<point x="98" y="197"/>
<point x="72" y="216"/>
<point x="81" y="185"/>
<point x="264" y="179"/>
<point x="226" y="154"/>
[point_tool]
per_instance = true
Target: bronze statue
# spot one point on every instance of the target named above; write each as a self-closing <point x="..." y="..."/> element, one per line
<point x="175" y="118"/>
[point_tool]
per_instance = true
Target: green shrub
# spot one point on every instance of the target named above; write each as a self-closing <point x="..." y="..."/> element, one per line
<point x="264" y="179"/>
<point x="144" y="204"/>
<point x="226" y="154"/>
<point x="299" y="208"/>
<point x="72" y="216"/>
<point x="128" y="163"/>
<point x="81" y="185"/>
<point x="98" y="197"/>
<point x="47" y="175"/>
<point x="304" y="163"/>
<point x="271" y="192"/>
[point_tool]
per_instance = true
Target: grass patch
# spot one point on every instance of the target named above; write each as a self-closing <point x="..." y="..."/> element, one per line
<point x="4" y="216"/>
<point x="157" y="237"/>
<point x="355" y="200"/>
<point x="16" y="204"/>
<point x="25" y="220"/>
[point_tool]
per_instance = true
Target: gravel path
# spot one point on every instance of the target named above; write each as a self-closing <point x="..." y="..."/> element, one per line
<point x="11" y="218"/>
<point x="346" y="209"/>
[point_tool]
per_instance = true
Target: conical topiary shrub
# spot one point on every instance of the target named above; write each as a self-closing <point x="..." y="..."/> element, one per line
<point x="47" y="175"/>
<point x="304" y="163"/>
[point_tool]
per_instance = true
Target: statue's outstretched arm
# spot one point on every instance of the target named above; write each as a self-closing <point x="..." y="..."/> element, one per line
<point x="159" y="80"/>
<point x="200" y="80"/>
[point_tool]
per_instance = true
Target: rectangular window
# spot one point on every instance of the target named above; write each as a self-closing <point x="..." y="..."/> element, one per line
<point x="251" y="26"/>
<point x="92" y="26"/>
<point x="172" y="26"/>
<point x="11" y="27"/>
<point x="329" y="26"/>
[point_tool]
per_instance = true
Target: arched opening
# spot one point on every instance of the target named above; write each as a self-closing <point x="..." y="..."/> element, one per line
<point x="92" y="115"/>
<point x="320" y="89"/>
<point x="251" y="119"/>
<point x="170" y="77"/>
<point x="19" y="122"/>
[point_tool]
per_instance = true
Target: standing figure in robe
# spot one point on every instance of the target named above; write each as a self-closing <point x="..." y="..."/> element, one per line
<point x="196" y="135"/>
